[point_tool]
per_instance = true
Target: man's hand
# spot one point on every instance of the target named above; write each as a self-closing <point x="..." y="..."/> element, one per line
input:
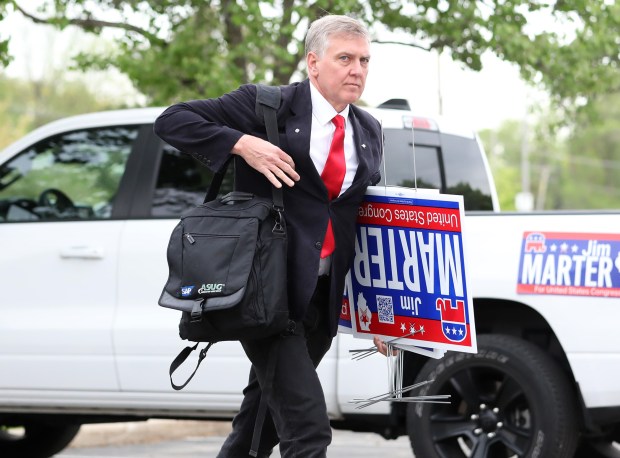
<point x="382" y="346"/>
<point x="268" y="159"/>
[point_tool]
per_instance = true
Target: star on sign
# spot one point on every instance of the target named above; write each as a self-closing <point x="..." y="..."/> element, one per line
<point x="421" y="329"/>
<point x="403" y="327"/>
<point x="447" y="329"/>
<point x="564" y="247"/>
<point x="574" y="248"/>
<point x="554" y="247"/>
<point x="412" y="329"/>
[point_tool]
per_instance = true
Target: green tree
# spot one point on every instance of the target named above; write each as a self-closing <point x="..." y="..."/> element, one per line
<point x="588" y="173"/>
<point x="575" y="167"/>
<point x="25" y="105"/>
<point x="503" y="148"/>
<point x="527" y="157"/>
<point x="180" y="49"/>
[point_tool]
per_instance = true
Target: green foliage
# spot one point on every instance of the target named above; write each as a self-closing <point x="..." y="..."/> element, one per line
<point x="5" y="58"/>
<point x="4" y="53"/>
<point x="175" y="50"/>
<point x="590" y="65"/>
<point x="503" y="147"/>
<point x="576" y="169"/>
<point x="588" y="174"/>
<point x="25" y="105"/>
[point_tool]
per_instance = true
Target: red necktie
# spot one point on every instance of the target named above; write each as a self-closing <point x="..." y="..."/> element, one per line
<point x="333" y="176"/>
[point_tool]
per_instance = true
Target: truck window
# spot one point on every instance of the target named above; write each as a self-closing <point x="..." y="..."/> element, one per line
<point x="399" y="162"/>
<point x="465" y="172"/>
<point x="458" y="159"/>
<point x="182" y="183"/>
<point x="74" y="175"/>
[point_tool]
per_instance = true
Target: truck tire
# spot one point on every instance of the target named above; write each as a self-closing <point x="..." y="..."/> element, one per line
<point x="36" y="439"/>
<point x="510" y="399"/>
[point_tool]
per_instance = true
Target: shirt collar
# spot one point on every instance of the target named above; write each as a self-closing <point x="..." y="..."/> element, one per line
<point x="322" y="109"/>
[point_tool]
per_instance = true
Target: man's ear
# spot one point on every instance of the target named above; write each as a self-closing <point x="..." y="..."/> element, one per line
<point x="311" y="61"/>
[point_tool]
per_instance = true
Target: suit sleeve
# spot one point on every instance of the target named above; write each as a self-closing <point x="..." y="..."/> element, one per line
<point x="208" y="129"/>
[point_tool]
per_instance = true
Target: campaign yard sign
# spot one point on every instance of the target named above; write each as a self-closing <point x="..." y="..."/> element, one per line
<point x="570" y="264"/>
<point x="408" y="277"/>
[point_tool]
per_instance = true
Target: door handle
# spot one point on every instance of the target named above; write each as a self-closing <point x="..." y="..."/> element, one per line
<point x="82" y="252"/>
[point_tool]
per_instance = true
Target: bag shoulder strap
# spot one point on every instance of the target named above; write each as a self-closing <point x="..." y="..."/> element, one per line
<point x="268" y="100"/>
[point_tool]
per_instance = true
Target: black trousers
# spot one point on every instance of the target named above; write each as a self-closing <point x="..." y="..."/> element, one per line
<point x="297" y="414"/>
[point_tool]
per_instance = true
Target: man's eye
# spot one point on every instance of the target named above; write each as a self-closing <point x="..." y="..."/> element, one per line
<point x="344" y="58"/>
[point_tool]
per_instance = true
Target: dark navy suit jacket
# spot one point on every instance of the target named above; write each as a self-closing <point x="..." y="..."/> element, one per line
<point x="208" y="130"/>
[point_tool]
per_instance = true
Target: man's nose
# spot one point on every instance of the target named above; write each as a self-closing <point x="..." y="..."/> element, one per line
<point x="356" y="68"/>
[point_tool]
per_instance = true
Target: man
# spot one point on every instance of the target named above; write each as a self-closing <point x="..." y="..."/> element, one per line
<point x="325" y="178"/>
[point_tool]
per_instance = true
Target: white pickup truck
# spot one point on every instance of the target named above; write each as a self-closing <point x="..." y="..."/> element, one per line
<point x="87" y="205"/>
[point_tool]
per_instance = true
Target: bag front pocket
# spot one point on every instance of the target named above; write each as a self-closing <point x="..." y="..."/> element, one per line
<point x="216" y="258"/>
<point x="206" y="263"/>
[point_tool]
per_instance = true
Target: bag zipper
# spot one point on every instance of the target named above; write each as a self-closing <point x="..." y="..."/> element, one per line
<point x="192" y="240"/>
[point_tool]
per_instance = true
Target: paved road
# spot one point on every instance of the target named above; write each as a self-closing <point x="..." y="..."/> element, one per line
<point x="345" y="445"/>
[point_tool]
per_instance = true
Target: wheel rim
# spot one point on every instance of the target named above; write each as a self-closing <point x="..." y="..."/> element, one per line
<point x="489" y="416"/>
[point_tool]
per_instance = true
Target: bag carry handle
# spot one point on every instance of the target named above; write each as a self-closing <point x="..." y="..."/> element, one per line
<point x="267" y="102"/>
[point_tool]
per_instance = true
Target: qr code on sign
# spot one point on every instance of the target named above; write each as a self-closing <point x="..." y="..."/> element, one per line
<point x="385" y="307"/>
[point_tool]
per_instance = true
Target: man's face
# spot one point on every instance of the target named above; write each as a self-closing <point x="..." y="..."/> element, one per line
<point x="340" y="74"/>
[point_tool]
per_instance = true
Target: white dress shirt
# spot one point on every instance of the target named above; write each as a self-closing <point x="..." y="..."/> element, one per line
<point x="322" y="133"/>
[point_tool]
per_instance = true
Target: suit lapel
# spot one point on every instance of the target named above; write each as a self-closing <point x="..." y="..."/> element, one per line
<point x="298" y="129"/>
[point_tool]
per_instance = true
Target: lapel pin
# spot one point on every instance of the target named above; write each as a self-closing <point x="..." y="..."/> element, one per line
<point x="363" y="145"/>
<point x="296" y="131"/>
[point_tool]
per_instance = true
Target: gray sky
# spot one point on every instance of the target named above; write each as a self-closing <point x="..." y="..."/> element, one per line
<point x="482" y="98"/>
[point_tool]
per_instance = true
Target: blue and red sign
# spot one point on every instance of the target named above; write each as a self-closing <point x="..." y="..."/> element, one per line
<point x="570" y="264"/>
<point x="408" y="275"/>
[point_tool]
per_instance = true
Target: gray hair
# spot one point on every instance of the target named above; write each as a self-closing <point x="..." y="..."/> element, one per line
<point x="317" y="38"/>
